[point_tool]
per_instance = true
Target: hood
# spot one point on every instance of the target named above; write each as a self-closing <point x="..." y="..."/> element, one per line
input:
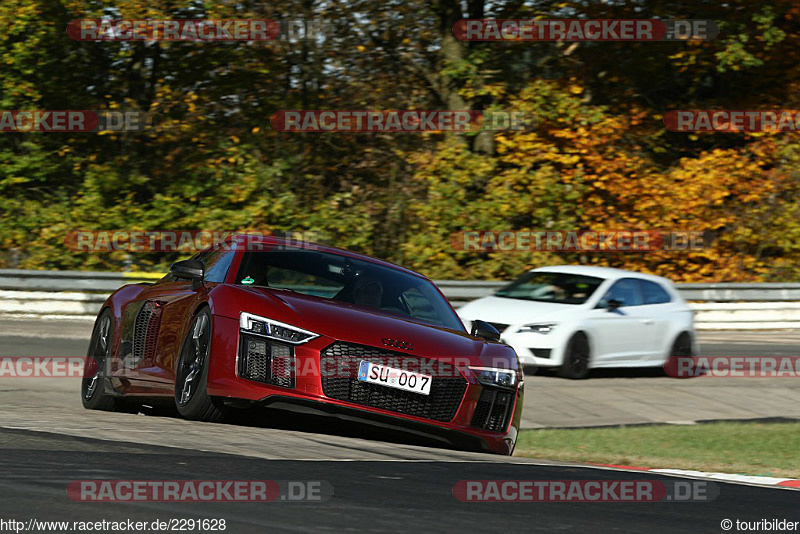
<point x="506" y="311"/>
<point x="350" y="323"/>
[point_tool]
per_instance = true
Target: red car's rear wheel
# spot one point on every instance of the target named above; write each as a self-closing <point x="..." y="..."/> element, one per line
<point x="93" y="394"/>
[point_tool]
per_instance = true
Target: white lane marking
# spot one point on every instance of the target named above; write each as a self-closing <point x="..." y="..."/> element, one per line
<point x="747" y="480"/>
<point x="753" y="479"/>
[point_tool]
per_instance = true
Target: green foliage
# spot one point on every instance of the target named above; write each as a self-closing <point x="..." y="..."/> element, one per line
<point x="598" y="158"/>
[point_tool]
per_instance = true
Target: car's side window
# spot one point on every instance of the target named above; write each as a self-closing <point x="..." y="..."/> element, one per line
<point x="217" y="265"/>
<point x="652" y="293"/>
<point x="625" y="290"/>
<point x="216" y="261"/>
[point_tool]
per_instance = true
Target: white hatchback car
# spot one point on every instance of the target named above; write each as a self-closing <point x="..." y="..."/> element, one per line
<point x="575" y="318"/>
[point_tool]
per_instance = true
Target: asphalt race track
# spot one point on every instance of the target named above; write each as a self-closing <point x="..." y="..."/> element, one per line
<point x="380" y="480"/>
<point x="368" y="495"/>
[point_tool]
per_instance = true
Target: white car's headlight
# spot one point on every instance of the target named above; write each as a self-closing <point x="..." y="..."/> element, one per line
<point x="261" y="326"/>
<point x="489" y="376"/>
<point x="539" y="328"/>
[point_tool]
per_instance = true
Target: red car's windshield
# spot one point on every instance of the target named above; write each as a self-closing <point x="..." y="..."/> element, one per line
<point x="344" y="279"/>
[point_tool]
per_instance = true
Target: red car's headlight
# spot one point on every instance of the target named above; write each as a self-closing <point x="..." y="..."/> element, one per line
<point x="262" y="326"/>
<point x="489" y="376"/>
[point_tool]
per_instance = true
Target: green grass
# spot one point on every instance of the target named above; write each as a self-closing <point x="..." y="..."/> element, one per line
<point x="770" y="449"/>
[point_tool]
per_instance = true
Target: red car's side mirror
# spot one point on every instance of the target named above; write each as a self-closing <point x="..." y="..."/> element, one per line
<point x="484" y="330"/>
<point x="193" y="270"/>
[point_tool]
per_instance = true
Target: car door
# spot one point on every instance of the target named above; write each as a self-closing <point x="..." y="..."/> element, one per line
<point x="157" y="319"/>
<point x="620" y="335"/>
<point x="657" y="306"/>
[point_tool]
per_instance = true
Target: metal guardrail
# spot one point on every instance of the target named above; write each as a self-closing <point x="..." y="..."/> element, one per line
<point x="94" y="282"/>
<point x="720" y="292"/>
<point x="456" y="290"/>
<point x="717" y="306"/>
<point x="731" y="292"/>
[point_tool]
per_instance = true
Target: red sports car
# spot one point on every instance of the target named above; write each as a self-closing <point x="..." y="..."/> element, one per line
<point x="258" y="321"/>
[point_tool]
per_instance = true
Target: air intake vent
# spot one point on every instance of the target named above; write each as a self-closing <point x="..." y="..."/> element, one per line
<point x="145" y="331"/>
<point x="493" y="410"/>
<point x="267" y="361"/>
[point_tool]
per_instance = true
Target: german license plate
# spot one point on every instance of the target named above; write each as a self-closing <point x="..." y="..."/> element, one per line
<point x="394" y="378"/>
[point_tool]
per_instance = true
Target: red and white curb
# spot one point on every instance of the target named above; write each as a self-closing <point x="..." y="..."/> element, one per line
<point x="752" y="480"/>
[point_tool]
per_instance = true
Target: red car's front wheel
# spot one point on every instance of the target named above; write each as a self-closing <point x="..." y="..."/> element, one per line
<point x="191" y="374"/>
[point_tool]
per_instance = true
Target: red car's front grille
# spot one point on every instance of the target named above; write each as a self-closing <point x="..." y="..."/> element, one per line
<point x="339" y="365"/>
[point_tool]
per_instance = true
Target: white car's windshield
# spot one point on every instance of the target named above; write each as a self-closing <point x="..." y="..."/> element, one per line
<point x="561" y="288"/>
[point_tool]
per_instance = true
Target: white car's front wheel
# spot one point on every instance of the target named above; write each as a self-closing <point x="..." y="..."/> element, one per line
<point x="681" y="357"/>
<point x="576" y="358"/>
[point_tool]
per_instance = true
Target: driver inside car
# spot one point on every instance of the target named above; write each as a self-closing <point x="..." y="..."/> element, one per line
<point x="368" y="293"/>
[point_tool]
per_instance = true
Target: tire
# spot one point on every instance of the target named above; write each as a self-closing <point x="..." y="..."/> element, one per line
<point x="681" y="349"/>
<point x="682" y="346"/>
<point x="576" y="358"/>
<point x="93" y="395"/>
<point x="191" y="373"/>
